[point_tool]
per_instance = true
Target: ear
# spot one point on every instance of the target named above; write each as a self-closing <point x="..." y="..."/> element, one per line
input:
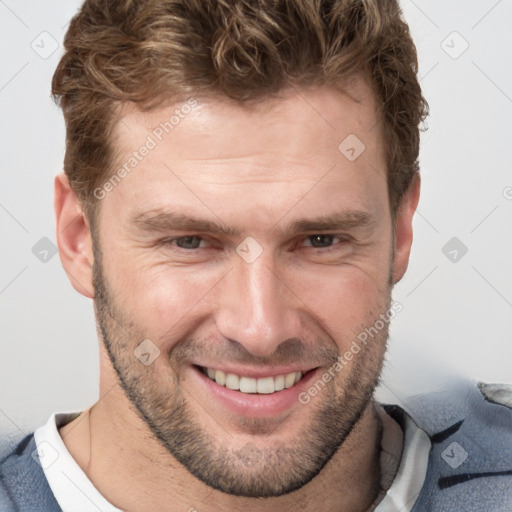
<point x="73" y="237"/>
<point x="403" y="229"/>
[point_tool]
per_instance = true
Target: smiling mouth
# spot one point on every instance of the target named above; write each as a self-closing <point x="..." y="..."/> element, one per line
<point x="249" y="385"/>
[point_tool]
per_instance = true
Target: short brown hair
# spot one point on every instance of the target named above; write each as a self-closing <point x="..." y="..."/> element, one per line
<point x="150" y="51"/>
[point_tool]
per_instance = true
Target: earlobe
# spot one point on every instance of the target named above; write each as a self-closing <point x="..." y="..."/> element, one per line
<point x="73" y="237"/>
<point x="403" y="229"/>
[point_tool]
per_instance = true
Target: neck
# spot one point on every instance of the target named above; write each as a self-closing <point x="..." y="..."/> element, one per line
<point x="130" y="468"/>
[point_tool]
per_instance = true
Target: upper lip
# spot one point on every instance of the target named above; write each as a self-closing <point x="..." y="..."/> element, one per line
<point x="256" y="373"/>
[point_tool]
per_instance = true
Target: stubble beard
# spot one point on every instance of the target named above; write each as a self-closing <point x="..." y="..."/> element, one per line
<point x="250" y="470"/>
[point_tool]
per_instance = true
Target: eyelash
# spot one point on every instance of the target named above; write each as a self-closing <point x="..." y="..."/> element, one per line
<point x="343" y="239"/>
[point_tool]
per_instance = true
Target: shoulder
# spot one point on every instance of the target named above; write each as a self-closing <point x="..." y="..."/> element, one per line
<point x="470" y="462"/>
<point x="23" y="485"/>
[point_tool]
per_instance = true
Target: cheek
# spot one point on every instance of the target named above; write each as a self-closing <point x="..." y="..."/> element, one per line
<point x="162" y="300"/>
<point x="345" y="299"/>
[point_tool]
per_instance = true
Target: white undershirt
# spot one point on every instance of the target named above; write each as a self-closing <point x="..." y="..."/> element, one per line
<point x="410" y="476"/>
<point x="72" y="489"/>
<point x="74" y="492"/>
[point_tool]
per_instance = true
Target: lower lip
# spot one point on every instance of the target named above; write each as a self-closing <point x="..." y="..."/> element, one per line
<point x="254" y="405"/>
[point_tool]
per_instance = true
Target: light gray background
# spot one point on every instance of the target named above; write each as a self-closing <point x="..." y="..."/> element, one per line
<point x="456" y="317"/>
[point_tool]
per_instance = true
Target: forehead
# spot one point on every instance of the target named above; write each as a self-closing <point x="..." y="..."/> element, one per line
<point x="230" y="153"/>
<point x="290" y="117"/>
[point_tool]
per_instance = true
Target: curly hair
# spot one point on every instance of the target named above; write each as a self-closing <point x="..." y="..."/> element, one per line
<point x="151" y="51"/>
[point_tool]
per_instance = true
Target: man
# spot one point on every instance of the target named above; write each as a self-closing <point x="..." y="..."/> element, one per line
<point x="240" y="182"/>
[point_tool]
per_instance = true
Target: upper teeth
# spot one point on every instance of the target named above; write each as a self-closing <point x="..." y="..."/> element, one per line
<point x="265" y="385"/>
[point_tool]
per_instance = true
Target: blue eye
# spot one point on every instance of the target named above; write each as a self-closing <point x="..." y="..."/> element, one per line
<point x="324" y="241"/>
<point x="321" y="240"/>
<point x="317" y="241"/>
<point x="185" y="242"/>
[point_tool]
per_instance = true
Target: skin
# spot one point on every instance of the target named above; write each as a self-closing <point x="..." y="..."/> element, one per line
<point x="156" y="440"/>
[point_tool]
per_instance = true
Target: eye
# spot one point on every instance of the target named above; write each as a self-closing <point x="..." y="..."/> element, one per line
<point x="185" y="242"/>
<point x="320" y="241"/>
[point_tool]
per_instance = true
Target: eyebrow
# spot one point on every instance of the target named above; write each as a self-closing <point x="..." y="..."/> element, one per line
<point x="160" y="221"/>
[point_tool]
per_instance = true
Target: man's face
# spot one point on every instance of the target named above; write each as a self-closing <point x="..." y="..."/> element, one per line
<point x="274" y="292"/>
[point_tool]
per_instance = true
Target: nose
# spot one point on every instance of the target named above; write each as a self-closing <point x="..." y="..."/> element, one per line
<point x="257" y="308"/>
